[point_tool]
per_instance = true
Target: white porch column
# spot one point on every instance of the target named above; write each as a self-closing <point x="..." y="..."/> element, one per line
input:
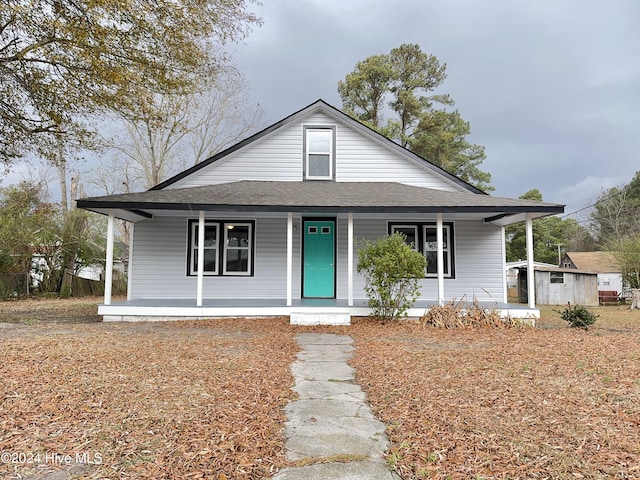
<point x="108" y="274"/>
<point x="200" y="278"/>
<point x="130" y="266"/>
<point x="505" y="284"/>
<point x="350" y="260"/>
<point x="440" y="259"/>
<point x="531" y="279"/>
<point x="289" y="258"/>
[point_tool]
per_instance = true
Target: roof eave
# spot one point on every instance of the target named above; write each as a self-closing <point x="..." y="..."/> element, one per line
<point x="134" y="211"/>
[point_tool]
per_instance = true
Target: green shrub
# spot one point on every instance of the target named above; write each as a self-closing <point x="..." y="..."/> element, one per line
<point x="391" y="270"/>
<point x="578" y="316"/>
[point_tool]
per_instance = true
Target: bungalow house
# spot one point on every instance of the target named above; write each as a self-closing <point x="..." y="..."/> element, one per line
<point x="270" y="227"/>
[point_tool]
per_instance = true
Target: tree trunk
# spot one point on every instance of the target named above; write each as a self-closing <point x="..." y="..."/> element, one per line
<point x="635" y="298"/>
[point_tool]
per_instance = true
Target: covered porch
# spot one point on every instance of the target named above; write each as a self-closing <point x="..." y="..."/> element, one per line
<point x="291" y="203"/>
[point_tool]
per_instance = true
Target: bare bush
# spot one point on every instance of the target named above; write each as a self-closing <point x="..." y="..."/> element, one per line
<point x="462" y="314"/>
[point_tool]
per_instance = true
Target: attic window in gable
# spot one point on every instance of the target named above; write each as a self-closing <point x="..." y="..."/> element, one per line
<point x="319" y="153"/>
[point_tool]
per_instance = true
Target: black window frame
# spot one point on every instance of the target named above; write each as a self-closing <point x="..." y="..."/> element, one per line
<point x="420" y="241"/>
<point x="221" y="254"/>
<point x="305" y="153"/>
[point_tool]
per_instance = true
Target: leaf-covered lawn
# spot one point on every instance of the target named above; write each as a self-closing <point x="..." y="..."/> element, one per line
<point x="169" y="400"/>
<point x="551" y="402"/>
<point x="204" y="399"/>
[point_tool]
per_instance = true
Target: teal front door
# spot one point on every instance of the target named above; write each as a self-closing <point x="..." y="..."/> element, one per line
<point x="318" y="274"/>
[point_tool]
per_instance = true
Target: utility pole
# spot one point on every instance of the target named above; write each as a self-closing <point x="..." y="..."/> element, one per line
<point x="559" y="258"/>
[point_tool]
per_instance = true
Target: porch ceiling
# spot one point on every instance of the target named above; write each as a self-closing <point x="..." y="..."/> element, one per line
<point x="317" y="197"/>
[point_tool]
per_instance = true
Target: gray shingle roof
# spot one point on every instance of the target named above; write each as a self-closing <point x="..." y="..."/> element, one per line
<point x="316" y="196"/>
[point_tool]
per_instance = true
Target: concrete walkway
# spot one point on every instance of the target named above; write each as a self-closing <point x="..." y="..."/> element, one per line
<point x="330" y="430"/>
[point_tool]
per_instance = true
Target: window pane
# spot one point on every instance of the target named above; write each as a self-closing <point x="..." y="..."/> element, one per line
<point x="319" y="166"/>
<point x="430" y="235"/>
<point x="432" y="262"/>
<point x="319" y="141"/>
<point x="556" y="277"/>
<point x="238" y="236"/>
<point x="408" y="232"/>
<point x="431" y="239"/>
<point x="210" y="257"/>
<point x="237" y="260"/>
<point x="210" y="235"/>
<point x="432" y="265"/>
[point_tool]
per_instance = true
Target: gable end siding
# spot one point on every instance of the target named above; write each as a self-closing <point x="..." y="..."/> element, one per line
<point x="279" y="157"/>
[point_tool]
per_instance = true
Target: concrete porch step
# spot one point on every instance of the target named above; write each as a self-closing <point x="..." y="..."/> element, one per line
<point x="332" y="317"/>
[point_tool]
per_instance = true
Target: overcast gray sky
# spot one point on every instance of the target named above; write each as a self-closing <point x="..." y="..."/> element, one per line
<point x="551" y="87"/>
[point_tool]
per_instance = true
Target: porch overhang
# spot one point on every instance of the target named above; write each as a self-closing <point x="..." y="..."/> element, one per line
<point x="364" y="198"/>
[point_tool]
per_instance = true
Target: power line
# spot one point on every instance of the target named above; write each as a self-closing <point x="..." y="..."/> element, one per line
<point x="600" y="200"/>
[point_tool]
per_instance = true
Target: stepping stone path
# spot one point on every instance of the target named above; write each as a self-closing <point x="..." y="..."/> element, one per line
<point x="330" y="429"/>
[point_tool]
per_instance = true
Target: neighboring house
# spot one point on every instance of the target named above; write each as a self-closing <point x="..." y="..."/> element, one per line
<point x="96" y="271"/>
<point x="271" y="226"/>
<point x="560" y="286"/>
<point x="610" y="282"/>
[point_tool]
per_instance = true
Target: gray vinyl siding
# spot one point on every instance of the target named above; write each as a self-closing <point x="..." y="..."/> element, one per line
<point x="279" y="157"/>
<point x="477" y="261"/>
<point x="159" y="267"/>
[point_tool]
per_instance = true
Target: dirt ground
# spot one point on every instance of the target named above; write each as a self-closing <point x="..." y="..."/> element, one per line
<point x="204" y="399"/>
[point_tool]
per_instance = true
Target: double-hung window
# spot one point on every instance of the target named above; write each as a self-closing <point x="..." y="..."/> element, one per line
<point x="431" y="249"/>
<point x="319" y="146"/>
<point x="210" y="248"/>
<point x="422" y="237"/>
<point x="228" y="248"/>
<point x="237" y="251"/>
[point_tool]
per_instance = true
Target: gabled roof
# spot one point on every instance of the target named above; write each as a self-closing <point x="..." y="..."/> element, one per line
<point x="324" y="107"/>
<point x="598" y="262"/>
<point x="317" y="197"/>
<point x="328" y="197"/>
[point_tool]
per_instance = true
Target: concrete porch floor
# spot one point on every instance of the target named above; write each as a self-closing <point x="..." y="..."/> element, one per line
<point x="158" y="309"/>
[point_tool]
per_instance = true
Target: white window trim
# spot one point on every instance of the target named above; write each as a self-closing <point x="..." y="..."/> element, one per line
<point x="396" y="228"/>
<point x="221" y="248"/>
<point x="446" y="252"/>
<point x="420" y="227"/>
<point x="308" y="130"/>
<point x="193" y="268"/>
<point x="249" y="248"/>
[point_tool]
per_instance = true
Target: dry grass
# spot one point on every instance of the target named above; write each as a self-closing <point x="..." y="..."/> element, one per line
<point x="177" y="400"/>
<point x="551" y="402"/>
<point x="204" y="399"/>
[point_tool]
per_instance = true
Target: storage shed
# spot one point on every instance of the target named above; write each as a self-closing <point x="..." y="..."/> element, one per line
<point x="560" y="286"/>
